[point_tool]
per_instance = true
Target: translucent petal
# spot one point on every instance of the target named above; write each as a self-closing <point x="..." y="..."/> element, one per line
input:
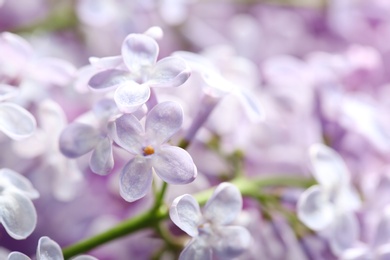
<point x="131" y="96"/>
<point x="52" y="118"/>
<point x="15" y="121"/>
<point x="169" y="72"/>
<point x="84" y="257"/>
<point x="102" y="159"/>
<point x="163" y="121"/>
<point x="7" y="92"/>
<point x="17" y="214"/>
<point x="314" y="208"/>
<point x="329" y="168"/>
<point x="17" y="181"/>
<point x="174" y="165"/>
<point x="224" y="205"/>
<point x="127" y="133"/>
<point x="48" y="250"/>
<point x="196" y="250"/>
<point x="110" y="78"/>
<point x="251" y="106"/>
<point x="18" y="256"/>
<point x="383" y="252"/>
<point x="52" y="71"/>
<point x="135" y="179"/>
<point x="356" y="253"/>
<point x="185" y="213"/>
<point x="382" y="235"/>
<point x="139" y="51"/>
<point x="343" y="233"/>
<point x="233" y="241"/>
<point x="78" y="139"/>
<point x="348" y="199"/>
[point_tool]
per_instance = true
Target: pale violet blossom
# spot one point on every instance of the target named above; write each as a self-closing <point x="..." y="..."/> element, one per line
<point x="15" y="121"/>
<point x="139" y="53"/>
<point x="212" y="235"/>
<point x="321" y="206"/>
<point x="17" y="212"/>
<point x="47" y="249"/>
<point x="152" y="153"/>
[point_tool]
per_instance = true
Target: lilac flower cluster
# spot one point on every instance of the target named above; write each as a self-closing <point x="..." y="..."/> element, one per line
<point x="194" y="129"/>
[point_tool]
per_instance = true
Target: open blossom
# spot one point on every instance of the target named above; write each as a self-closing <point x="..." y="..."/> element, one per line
<point x="47" y="250"/>
<point x="152" y="153"/>
<point x="330" y="201"/>
<point x="139" y="53"/>
<point x="17" y="212"/>
<point x="212" y="236"/>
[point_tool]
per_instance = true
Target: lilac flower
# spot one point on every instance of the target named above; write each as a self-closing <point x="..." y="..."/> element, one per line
<point x="322" y="205"/>
<point x="172" y="164"/>
<point x="139" y="53"/>
<point x="211" y="233"/>
<point x="17" y="212"/>
<point x="47" y="250"/>
<point x="15" y="121"/>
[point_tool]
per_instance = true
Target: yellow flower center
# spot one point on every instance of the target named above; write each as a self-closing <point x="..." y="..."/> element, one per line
<point x="148" y="150"/>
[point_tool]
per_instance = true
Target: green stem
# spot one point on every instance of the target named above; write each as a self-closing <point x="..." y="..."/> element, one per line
<point x="149" y="219"/>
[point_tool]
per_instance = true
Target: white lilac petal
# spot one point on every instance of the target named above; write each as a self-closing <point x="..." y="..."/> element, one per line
<point x="139" y="51"/>
<point x="48" y="249"/>
<point x="136" y="179"/>
<point x="102" y="159"/>
<point x="174" y="165"/>
<point x="78" y="139"/>
<point x="329" y="168"/>
<point x="131" y="96"/>
<point x="7" y="92"/>
<point x="106" y="62"/>
<point x="348" y="198"/>
<point x="15" y="121"/>
<point x="127" y="132"/>
<point x="109" y="79"/>
<point x="357" y="253"/>
<point x="343" y="233"/>
<point x="314" y="208"/>
<point x="10" y="178"/>
<point x="84" y="257"/>
<point x="232" y="242"/>
<point x="163" y="121"/>
<point x="17" y="214"/>
<point x="52" y="119"/>
<point x="382" y="235"/>
<point x="196" y="250"/>
<point x="383" y="252"/>
<point x="224" y="205"/>
<point x="185" y="213"/>
<point x="17" y="256"/>
<point x="251" y="106"/>
<point x="155" y="32"/>
<point x="52" y="71"/>
<point x="169" y="72"/>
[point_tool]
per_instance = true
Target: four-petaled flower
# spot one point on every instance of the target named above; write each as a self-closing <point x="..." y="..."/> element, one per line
<point x="139" y="53"/>
<point x="17" y="212"/>
<point x="172" y="164"/>
<point x="212" y="236"/>
<point x="47" y="249"/>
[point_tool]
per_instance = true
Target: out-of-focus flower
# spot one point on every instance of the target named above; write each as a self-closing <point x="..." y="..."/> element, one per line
<point x="15" y="121"/>
<point x="172" y="164"/>
<point x="139" y="53"/>
<point x="17" y="212"/>
<point x="47" y="250"/>
<point x="323" y="205"/>
<point x="210" y="230"/>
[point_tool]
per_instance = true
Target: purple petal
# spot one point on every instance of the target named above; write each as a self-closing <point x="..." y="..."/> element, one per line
<point x="136" y="179"/>
<point x="111" y="78"/>
<point x="234" y="240"/>
<point x="169" y="72"/>
<point x="174" y="165"/>
<point x="382" y="235"/>
<point x="224" y="205"/>
<point x="314" y="208"/>
<point x="18" y="256"/>
<point x="196" y="249"/>
<point x="17" y="181"/>
<point x="131" y="96"/>
<point x="127" y="132"/>
<point x="102" y="160"/>
<point x="383" y="252"/>
<point x="48" y="250"/>
<point x="15" y="121"/>
<point x="329" y="168"/>
<point x="163" y="121"/>
<point x="17" y="214"/>
<point x="139" y="51"/>
<point x="78" y="139"/>
<point x="185" y="213"/>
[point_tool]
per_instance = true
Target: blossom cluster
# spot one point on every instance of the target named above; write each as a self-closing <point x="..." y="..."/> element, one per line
<point x="194" y="129"/>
